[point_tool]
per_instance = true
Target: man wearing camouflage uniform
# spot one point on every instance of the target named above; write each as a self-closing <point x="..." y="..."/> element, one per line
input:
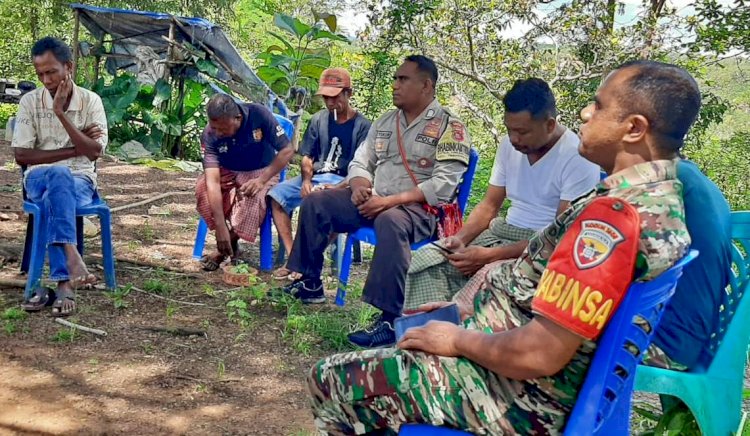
<point x="521" y="357"/>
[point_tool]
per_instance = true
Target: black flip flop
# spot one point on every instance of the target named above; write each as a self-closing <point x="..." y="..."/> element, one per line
<point x="47" y="297"/>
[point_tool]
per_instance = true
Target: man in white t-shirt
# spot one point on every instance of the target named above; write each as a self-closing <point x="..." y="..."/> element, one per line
<point x="538" y="168"/>
<point x="61" y="129"/>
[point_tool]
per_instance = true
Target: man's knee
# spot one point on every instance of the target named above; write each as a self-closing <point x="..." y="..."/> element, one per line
<point x="59" y="173"/>
<point x="391" y="221"/>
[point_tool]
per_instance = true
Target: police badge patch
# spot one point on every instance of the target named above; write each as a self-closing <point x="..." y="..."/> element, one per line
<point x="257" y="135"/>
<point x="450" y="148"/>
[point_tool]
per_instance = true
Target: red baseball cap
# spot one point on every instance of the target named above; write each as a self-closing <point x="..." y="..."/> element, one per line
<point x="333" y="81"/>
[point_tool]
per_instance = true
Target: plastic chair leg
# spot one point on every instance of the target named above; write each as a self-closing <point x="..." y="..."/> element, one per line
<point x="346" y="264"/>
<point x="27" y="244"/>
<point x="357" y="253"/>
<point x="200" y="239"/>
<point x="79" y="234"/>
<point x="715" y="403"/>
<point x="714" y="407"/>
<point x="108" y="256"/>
<point x="38" y="253"/>
<point x="340" y="244"/>
<point x="266" y="243"/>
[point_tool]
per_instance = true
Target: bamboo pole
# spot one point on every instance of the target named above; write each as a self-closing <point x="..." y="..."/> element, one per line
<point x="76" y="28"/>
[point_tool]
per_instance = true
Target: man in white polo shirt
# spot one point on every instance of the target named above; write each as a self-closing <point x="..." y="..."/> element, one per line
<point x="61" y="129"/>
<point x="537" y="167"/>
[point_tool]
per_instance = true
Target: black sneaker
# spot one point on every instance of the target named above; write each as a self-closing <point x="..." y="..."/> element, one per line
<point x="303" y="290"/>
<point x="380" y="334"/>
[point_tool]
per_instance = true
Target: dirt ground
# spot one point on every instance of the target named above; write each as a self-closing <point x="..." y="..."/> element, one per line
<point x="135" y="381"/>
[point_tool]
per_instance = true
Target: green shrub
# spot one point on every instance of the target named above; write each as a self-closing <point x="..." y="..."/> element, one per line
<point x="6" y="111"/>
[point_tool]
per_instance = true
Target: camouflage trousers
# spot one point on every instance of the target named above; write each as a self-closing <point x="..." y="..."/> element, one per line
<point x="381" y="389"/>
<point x="432" y="278"/>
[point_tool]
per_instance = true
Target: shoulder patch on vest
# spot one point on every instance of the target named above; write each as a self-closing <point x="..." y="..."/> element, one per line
<point x="453" y="145"/>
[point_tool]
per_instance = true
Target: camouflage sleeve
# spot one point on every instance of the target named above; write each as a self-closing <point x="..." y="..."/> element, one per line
<point x="664" y="235"/>
<point x="451" y="159"/>
<point x="591" y="268"/>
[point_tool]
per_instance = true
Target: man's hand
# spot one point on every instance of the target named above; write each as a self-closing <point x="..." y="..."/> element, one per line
<point x="453" y="243"/>
<point x="251" y="188"/>
<point x="374" y="206"/>
<point x="360" y="195"/>
<point x="463" y="311"/>
<point x="436" y="337"/>
<point x="64" y="89"/>
<point x="307" y="188"/>
<point x="224" y="240"/>
<point x="470" y="259"/>
<point x="93" y="131"/>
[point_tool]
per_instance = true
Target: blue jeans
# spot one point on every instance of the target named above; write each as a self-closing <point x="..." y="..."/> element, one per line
<point x="289" y="193"/>
<point x="59" y="192"/>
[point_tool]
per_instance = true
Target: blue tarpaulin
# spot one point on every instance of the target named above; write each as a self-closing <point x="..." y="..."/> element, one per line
<point x="128" y="29"/>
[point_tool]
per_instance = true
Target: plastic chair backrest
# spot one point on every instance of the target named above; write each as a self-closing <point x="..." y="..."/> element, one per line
<point x="608" y="386"/>
<point x="464" y="188"/>
<point x="731" y="340"/>
<point x="285" y="124"/>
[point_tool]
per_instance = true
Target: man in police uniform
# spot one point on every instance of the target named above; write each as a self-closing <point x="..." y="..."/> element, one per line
<point x="519" y="360"/>
<point x="381" y="194"/>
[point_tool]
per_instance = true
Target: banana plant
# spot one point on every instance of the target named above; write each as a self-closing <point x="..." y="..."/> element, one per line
<point x="301" y="56"/>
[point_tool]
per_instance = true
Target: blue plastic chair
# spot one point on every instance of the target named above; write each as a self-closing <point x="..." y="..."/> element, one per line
<point x="266" y="231"/>
<point x="713" y="390"/>
<point x="367" y="234"/>
<point x="603" y="404"/>
<point x="35" y="246"/>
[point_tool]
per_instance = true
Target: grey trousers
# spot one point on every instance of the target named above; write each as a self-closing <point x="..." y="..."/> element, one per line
<point x="332" y="211"/>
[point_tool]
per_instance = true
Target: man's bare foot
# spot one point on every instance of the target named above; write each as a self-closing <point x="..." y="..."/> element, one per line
<point x="77" y="271"/>
<point x="212" y="262"/>
<point x="65" y="303"/>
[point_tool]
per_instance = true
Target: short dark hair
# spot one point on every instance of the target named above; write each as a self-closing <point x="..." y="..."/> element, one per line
<point x="221" y="106"/>
<point x="425" y="65"/>
<point x="533" y="95"/>
<point x="667" y="95"/>
<point x="59" y="49"/>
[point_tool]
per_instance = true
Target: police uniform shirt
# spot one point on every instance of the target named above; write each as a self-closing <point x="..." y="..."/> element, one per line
<point x="437" y="147"/>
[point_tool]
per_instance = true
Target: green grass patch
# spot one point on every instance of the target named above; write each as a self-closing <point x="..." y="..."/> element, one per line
<point x="64" y="336"/>
<point x="325" y="328"/>
<point x="11" y="317"/>
<point x="157" y="286"/>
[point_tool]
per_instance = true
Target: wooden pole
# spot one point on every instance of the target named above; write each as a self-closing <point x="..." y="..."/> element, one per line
<point x="98" y="58"/>
<point x="76" y="28"/>
<point x="170" y="51"/>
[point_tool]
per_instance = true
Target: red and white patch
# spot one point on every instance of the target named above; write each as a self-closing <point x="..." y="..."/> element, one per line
<point x="458" y="131"/>
<point x="595" y="243"/>
<point x="432" y="128"/>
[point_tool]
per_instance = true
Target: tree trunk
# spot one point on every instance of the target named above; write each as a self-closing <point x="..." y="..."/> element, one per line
<point x="656" y="7"/>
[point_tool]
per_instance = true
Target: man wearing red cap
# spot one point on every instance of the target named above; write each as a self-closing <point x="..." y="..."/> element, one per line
<point x="327" y="147"/>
